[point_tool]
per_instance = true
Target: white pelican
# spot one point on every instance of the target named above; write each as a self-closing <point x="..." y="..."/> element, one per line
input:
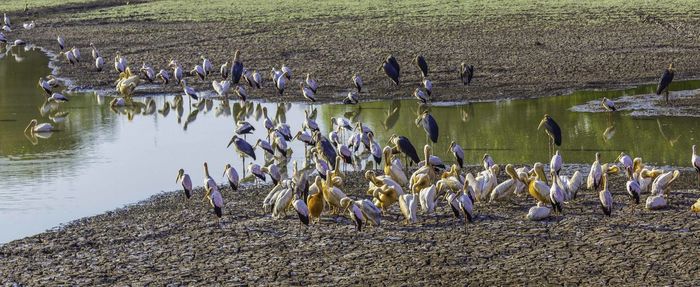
<point x="458" y="152"/>
<point x="428" y="86"/>
<point x="357" y="81"/>
<point x="418" y="94"/>
<point x="274" y="193"/>
<point x="200" y="72"/>
<point x="571" y="184"/>
<point x="633" y="188"/>
<point x="379" y="181"/>
<point x="608" y="105"/>
<point x="29" y="26"/>
<point x="656" y="202"/>
<point x="595" y="176"/>
<point x="307" y="92"/>
<point x="282" y="202"/>
<point x="274" y="172"/>
<point x="538" y="212"/>
<point x="241" y="92"/>
<point x="311" y="83"/>
<point x="696" y="163"/>
<point x="221" y="87"/>
<point x="354" y="212"/>
<point x="224" y="70"/>
<point x="206" y="65"/>
<point x="232" y="176"/>
<point x="286" y="71"/>
<point x="35" y="127"/>
<point x="61" y="42"/>
<point x="302" y="211"/>
<point x="556" y="193"/>
<point x="408" y="205"/>
<point x="185" y="181"/>
<point x="95" y="52"/>
<point x="164" y="76"/>
<point x="189" y="91"/>
<point x="662" y="183"/>
<point x="556" y="163"/>
<point x="100" y="63"/>
<point x="351" y="99"/>
<point x="58" y="97"/>
<point x="394" y="170"/>
<point x="508" y="187"/>
<point x="427" y="198"/>
<point x="606" y="200"/>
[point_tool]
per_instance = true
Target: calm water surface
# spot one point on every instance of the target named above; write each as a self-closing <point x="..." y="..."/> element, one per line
<point x="103" y="158"/>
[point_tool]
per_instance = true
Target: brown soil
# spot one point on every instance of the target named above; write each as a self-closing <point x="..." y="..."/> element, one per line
<point x="516" y="56"/>
<point x="168" y="240"/>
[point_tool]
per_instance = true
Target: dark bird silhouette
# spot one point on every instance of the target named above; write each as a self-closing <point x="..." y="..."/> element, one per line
<point x="422" y="65"/>
<point x="552" y="129"/>
<point x="392" y="69"/>
<point x="466" y="73"/>
<point x="236" y="68"/>
<point x="427" y="121"/>
<point x="403" y="145"/>
<point x="665" y="82"/>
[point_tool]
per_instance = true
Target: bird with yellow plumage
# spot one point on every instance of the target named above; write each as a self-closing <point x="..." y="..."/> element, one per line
<point x="127" y="83"/>
<point x="395" y="171"/>
<point x="332" y="194"/>
<point x="537" y="185"/>
<point x="696" y="206"/>
<point x="315" y="200"/>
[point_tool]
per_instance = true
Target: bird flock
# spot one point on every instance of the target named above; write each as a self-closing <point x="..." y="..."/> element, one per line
<point x="318" y="187"/>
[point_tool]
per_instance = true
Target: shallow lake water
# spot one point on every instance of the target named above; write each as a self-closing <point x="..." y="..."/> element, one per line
<point x="102" y="158"/>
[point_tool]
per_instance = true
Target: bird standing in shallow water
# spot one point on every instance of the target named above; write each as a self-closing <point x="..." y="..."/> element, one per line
<point x="665" y="82"/>
<point x="608" y="104"/>
<point x="552" y="129"/>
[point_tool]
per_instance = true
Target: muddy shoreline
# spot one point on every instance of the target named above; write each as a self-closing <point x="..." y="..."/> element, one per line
<point x="169" y="240"/>
<point x="519" y="57"/>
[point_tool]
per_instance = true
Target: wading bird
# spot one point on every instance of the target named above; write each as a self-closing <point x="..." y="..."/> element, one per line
<point x="100" y="63"/>
<point x="608" y="104"/>
<point x="422" y="65"/>
<point x="307" y="92"/>
<point x="556" y="163"/>
<point x="61" y="42"/>
<point x="595" y="176"/>
<point x="427" y="121"/>
<point x="311" y="83"/>
<point x="403" y="145"/>
<point x="665" y="82"/>
<point x="357" y="81"/>
<point x="185" y="181"/>
<point x="236" y="68"/>
<point x="428" y="86"/>
<point x="696" y="164"/>
<point x="420" y="96"/>
<point x="606" y="200"/>
<point x="354" y="212"/>
<point x="458" y="152"/>
<point x="95" y="53"/>
<point x="232" y="176"/>
<point x="391" y="69"/>
<point x="552" y="129"/>
<point x="189" y="91"/>
<point x="242" y="147"/>
<point x="466" y="73"/>
<point x="351" y="99"/>
<point x="36" y="127"/>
